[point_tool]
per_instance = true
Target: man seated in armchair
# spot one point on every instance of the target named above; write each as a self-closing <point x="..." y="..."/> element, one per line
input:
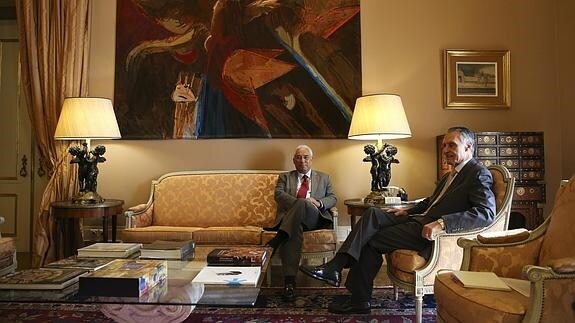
<point x="462" y="201"/>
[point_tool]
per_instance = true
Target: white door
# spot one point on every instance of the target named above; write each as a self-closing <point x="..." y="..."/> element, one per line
<point x="16" y="161"/>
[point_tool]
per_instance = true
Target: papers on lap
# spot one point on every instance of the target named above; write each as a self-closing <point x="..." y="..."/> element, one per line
<point x="231" y="276"/>
<point x="41" y="278"/>
<point x="483" y="280"/>
<point x="111" y="250"/>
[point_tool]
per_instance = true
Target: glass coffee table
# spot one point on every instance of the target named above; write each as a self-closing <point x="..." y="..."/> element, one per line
<point x="177" y="295"/>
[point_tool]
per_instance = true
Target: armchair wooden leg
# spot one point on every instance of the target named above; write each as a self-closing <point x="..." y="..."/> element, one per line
<point x="418" y="308"/>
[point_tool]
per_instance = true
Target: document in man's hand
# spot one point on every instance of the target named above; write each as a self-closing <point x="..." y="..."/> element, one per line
<point x="480" y="279"/>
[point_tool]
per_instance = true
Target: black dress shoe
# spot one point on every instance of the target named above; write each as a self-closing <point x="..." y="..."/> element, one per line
<point x="349" y="307"/>
<point x="289" y="292"/>
<point x="324" y="273"/>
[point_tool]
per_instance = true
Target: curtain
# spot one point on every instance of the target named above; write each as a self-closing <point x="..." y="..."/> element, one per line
<point x="54" y="48"/>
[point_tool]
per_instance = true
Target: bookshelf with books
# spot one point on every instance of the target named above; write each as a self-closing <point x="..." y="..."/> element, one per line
<point x="124" y="278"/>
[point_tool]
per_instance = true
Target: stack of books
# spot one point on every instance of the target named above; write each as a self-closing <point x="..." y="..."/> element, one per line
<point x="238" y="256"/>
<point x="124" y="278"/>
<point x="110" y="250"/>
<point x="41" y="278"/>
<point x="88" y="264"/>
<point x="173" y="250"/>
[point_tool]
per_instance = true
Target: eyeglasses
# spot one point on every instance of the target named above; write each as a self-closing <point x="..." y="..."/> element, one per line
<point x="298" y="157"/>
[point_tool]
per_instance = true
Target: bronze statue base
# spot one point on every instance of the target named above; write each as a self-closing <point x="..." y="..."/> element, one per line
<point x="87" y="198"/>
<point x="378" y="198"/>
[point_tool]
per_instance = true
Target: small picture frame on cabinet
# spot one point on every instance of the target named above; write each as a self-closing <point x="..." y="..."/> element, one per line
<point x="476" y="79"/>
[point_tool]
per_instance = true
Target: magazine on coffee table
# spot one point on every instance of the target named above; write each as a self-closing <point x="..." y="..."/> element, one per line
<point x="109" y="250"/>
<point x="41" y="278"/>
<point x="237" y="256"/>
<point x="75" y="262"/>
<point x="166" y="249"/>
<point x="230" y="276"/>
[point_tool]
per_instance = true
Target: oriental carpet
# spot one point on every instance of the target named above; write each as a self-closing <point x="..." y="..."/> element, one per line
<point x="310" y="306"/>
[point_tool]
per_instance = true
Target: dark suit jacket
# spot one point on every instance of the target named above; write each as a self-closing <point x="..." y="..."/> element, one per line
<point x="321" y="190"/>
<point x="468" y="202"/>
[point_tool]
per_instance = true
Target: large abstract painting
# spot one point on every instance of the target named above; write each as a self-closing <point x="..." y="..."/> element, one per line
<point x="189" y="69"/>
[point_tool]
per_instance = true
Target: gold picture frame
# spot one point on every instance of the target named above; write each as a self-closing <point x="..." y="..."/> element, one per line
<point x="476" y="79"/>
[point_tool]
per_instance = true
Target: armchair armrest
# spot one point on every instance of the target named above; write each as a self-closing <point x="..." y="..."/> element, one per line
<point x="551" y="296"/>
<point x="508" y="236"/>
<point x="139" y="216"/>
<point x="335" y="214"/>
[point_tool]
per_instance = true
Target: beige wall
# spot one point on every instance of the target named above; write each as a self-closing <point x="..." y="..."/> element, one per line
<point x="402" y="44"/>
<point x="566" y="71"/>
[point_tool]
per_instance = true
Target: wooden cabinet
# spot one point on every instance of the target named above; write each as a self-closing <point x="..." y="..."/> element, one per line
<point x="523" y="154"/>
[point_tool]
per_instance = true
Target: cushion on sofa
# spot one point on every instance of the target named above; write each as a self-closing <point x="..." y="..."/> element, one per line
<point x="153" y="233"/>
<point x="247" y="235"/>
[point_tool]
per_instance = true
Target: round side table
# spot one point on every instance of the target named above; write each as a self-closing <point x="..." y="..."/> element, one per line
<point x="67" y="217"/>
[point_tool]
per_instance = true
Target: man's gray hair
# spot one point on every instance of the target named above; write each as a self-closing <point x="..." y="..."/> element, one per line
<point x="467" y="135"/>
<point x="305" y="147"/>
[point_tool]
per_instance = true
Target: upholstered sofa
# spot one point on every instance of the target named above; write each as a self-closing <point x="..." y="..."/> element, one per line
<point x="217" y="208"/>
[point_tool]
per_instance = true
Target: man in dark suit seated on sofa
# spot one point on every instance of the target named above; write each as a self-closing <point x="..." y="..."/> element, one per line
<point x="467" y="202"/>
<point x="304" y="197"/>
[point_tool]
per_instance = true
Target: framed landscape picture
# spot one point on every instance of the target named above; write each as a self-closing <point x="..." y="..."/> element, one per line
<point x="477" y="79"/>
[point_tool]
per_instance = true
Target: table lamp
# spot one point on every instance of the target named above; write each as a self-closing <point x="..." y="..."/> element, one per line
<point x="379" y="117"/>
<point x="87" y="119"/>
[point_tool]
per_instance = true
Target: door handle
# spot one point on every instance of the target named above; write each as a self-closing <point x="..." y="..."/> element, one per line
<point x="24" y="167"/>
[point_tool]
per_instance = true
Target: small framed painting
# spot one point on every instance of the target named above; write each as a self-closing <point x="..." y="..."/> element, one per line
<point x="477" y="79"/>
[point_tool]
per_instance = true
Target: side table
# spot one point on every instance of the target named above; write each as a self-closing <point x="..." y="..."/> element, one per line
<point x="356" y="207"/>
<point x="67" y="217"/>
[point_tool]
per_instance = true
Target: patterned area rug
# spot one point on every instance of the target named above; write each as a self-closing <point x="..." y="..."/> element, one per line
<point x="310" y="306"/>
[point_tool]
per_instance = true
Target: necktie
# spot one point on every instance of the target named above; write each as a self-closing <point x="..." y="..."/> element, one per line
<point x="302" y="192"/>
<point x="443" y="189"/>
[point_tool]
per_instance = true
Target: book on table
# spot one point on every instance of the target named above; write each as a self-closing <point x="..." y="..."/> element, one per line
<point x="167" y="249"/>
<point x="124" y="278"/>
<point x="230" y="276"/>
<point x="109" y="250"/>
<point x="41" y="278"/>
<point x="480" y="279"/>
<point x="237" y="256"/>
<point x="76" y="262"/>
